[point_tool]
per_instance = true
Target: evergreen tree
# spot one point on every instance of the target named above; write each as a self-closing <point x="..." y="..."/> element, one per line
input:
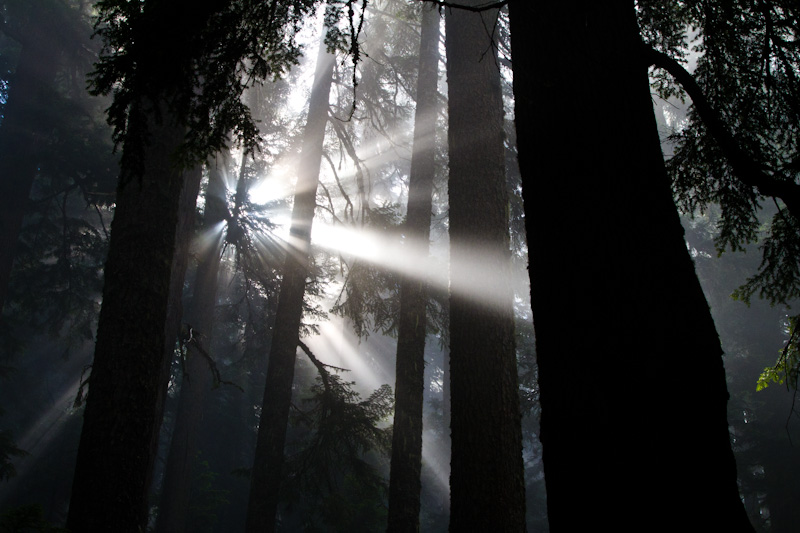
<point x="48" y="130"/>
<point x="176" y="71"/>
<point x="267" y="469"/>
<point x="605" y="361"/>
<point x="739" y="145"/>
<point x="139" y="322"/>
<point x="198" y="366"/>
<point x="47" y="31"/>
<point x="487" y="484"/>
<point x="404" y="486"/>
<point x="762" y="436"/>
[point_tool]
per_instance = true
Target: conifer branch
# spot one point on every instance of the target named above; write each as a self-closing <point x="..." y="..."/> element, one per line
<point x="475" y="9"/>
<point x="745" y="168"/>
<point x="321" y="367"/>
<point x="193" y="340"/>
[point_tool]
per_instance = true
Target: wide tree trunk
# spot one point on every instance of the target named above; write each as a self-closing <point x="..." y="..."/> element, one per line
<point x="487" y="487"/>
<point x="266" y="475"/>
<point x="406" y="461"/>
<point x="137" y="330"/>
<point x="632" y="384"/>
<point x="197" y="380"/>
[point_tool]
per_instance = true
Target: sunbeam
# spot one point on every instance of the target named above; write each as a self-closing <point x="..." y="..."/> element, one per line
<point x="275" y="186"/>
<point x="479" y="279"/>
<point x="435" y="457"/>
<point x="336" y="345"/>
<point x="210" y="238"/>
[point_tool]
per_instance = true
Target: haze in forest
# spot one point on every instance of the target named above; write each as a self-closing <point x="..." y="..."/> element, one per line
<point x="399" y="265"/>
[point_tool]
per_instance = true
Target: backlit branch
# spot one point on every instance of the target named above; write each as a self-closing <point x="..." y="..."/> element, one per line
<point x="475" y="9"/>
<point x="745" y="168"/>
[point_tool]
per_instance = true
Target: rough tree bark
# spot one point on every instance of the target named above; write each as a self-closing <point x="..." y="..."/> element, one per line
<point x="137" y="330"/>
<point x="487" y="487"/>
<point x="140" y="317"/>
<point x="266" y="474"/>
<point x="406" y="461"/>
<point x="633" y="389"/>
<point x="197" y="380"/>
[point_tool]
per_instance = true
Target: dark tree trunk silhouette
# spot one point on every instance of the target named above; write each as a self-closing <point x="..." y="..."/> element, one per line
<point x="633" y="391"/>
<point x="487" y="487"/>
<point x="406" y="461"/>
<point x="137" y="330"/>
<point x="197" y="380"/>
<point x="140" y="317"/>
<point x="265" y="478"/>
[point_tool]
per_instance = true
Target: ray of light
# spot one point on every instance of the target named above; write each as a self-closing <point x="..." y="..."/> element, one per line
<point x="43" y="431"/>
<point x="479" y="279"/>
<point x="46" y="427"/>
<point x="336" y="345"/>
<point x="277" y="185"/>
<point x="221" y="167"/>
<point x="209" y="238"/>
<point x="436" y="459"/>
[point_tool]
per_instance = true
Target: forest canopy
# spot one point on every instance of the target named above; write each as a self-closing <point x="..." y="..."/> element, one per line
<point x="353" y="265"/>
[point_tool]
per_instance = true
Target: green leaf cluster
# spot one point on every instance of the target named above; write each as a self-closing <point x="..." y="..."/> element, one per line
<point x="786" y="370"/>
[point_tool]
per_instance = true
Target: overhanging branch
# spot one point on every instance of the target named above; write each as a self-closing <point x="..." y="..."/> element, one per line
<point x="747" y="170"/>
<point x="322" y="368"/>
<point x="475" y="9"/>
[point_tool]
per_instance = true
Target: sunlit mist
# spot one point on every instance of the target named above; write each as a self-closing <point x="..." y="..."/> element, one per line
<point x="479" y="281"/>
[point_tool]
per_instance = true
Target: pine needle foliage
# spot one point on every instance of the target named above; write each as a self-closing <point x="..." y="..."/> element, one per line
<point x="786" y="370"/>
<point x="208" y="53"/>
<point x="206" y="499"/>
<point x="339" y="457"/>
<point x="740" y="145"/>
<point x="58" y="274"/>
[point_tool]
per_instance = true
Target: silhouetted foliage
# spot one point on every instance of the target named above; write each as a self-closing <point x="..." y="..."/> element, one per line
<point x="738" y="147"/>
<point x="336" y="464"/>
<point x="242" y="42"/>
<point x="27" y="519"/>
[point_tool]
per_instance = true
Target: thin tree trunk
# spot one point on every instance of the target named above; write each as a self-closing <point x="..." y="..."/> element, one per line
<point x="138" y="326"/>
<point x="174" y="507"/>
<point x="632" y="384"/>
<point x="268" y="463"/>
<point x="406" y="461"/>
<point x="487" y="485"/>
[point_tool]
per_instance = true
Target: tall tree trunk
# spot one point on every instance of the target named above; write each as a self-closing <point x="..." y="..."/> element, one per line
<point x="197" y="380"/>
<point x="487" y="487"/>
<point x="23" y="131"/>
<point x="632" y="384"/>
<point x="138" y="326"/>
<point x="406" y="461"/>
<point x="265" y="478"/>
